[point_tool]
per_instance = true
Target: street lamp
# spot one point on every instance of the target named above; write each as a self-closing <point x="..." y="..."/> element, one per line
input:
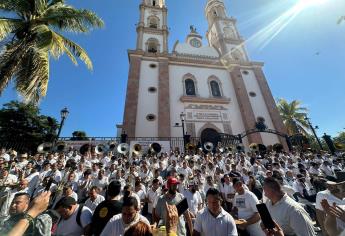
<point x="313" y="130"/>
<point x="183" y="119"/>
<point x="64" y="113"/>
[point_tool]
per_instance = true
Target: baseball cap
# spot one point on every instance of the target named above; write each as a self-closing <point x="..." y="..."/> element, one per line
<point x="172" y="181"/>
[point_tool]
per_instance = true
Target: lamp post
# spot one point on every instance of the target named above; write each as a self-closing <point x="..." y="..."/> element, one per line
<point x="313" y="130"/>
<point x="182" y="118"/>
<point x="64" y="113"/>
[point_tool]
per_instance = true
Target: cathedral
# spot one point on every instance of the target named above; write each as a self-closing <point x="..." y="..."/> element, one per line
<point x="214" y="88"/>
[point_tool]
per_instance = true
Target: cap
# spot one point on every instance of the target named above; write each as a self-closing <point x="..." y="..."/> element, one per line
<point x="172" y="181"/>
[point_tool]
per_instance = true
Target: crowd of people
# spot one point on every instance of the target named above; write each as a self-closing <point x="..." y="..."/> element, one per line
<point x="70" y="194"/>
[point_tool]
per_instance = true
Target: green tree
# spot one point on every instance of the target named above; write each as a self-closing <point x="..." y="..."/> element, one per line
<point x="32" y="34"/>
<point x="79" y="135"/>
<point x="293" y="116"/>
<point x="23" y="128"/>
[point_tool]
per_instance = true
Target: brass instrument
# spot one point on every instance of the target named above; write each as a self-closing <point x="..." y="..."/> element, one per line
<point x="339" y="146"/>
<point x="278" y="147"/>
<point x="60" y="146"/>
<point x="190" y="146"/>
<point x="137" y="149"/>
<point x="112" y="146"/>
<point x="254" y="147"/>
<point x="123" y="148"/>
<point x="155" y="148"/>
<point x="84" y="149"/>
<point x="45" y="148"/>
<point x="208" y="146"/>
<point x="100" y="149"/>
<point x="240" y="148"/>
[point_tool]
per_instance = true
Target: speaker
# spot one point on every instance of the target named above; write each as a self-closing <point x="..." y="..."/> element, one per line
<point x="330" y="144"/>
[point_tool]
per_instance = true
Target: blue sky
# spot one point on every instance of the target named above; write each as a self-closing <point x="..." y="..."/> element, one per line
<point x="305" y="61"/>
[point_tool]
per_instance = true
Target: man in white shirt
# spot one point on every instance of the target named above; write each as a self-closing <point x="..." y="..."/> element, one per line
<point x="94" y="198"/>
<point x="121" y="222"/>
<point x="291" y="216"/>
<point x="74" y="219"/>
<point x="214" y="220"/>
<point x="245" y="205"/>
<point x="193" y="198"/>
<point x="152" y="195"/>
<point x="228" y="192"/>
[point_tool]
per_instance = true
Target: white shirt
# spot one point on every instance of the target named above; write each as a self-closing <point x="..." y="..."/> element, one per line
<point x="326" y="194"/>
<point x="227" y="189"/>
<point x="152" y="196"/>
<point x="70" y="227"/>
<point x="194" y="200"/>
<point x="291" y="216"/>
<point x="93" y="204"/>
<point x="116" y="227"/>
<point x="208" y="225"/>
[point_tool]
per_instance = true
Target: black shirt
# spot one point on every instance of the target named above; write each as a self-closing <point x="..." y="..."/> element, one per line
<point x="103" y="213"/>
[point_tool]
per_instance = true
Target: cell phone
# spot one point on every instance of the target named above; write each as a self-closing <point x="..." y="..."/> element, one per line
<point x="182" y="206"/>
<point x="265" y="216"/>
<point x="49" y="184"/>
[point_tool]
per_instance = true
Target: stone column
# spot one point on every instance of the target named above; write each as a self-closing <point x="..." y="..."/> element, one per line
<point x="246" y="109"/>
<point x="164" y="125"/>
<point x="271" y="105"/>
<point x="131" y="105"/>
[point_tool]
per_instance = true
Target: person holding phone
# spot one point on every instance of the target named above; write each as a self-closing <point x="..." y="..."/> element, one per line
<point x="290" y="215"/>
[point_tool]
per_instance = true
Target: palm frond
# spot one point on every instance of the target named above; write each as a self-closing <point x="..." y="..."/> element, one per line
<point x="7" y="26"/>
<point x="18" y="6"/>
<point x="33" y="76"/>
<point x="72" y="20"/>
<point x="10" y="59"/>
<point x="75" y="49"/>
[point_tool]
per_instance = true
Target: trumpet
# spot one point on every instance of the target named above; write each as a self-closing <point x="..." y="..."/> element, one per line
<point x="208" y="146"/>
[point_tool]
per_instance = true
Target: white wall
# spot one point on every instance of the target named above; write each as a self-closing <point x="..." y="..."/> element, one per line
<point x="202" y="74"/>
<point x="203" y="51"/>
<point x="147" y="102"/>
<point x="259" y="106"/>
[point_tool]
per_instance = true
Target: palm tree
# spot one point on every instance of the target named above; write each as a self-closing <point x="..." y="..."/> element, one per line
<point x="31" y="34"/>
<point x="293" y="116"/>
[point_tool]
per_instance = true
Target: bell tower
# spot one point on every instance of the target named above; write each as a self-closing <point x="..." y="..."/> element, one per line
<point x="222" y="32"/>
<point x="152" y="28"/>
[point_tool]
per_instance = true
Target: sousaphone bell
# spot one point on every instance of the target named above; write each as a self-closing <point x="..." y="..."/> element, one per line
<point x="45" y="148"/>
<point x="208" y="146"/>
<point x="123" y="148"/>
<point x="137" y="149"/>
<point x="155" y="148"/>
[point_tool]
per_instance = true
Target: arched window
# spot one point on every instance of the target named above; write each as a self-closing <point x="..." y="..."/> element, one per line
<point x="152" y="45"/>
<point x="215" y="89"/>
<point x="154" y="3"/>
<point x="190" y="87"/>
<point x="153" y="22"/>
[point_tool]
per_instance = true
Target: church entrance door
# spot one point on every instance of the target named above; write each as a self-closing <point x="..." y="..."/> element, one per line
<point x="210" y="135"/>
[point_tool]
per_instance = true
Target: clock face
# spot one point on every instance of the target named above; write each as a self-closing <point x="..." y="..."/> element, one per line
<point x="195" y="43"/>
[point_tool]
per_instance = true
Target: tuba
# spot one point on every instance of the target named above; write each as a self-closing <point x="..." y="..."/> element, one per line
<point x="155" y="148"/>
<point x="254" y="147"/>
<point x="137" y="149"/>
<point x="112" y="146"/>
<point x="100" y="148"/>
<point x="240" y="148"/>
<point x="123" y="148"/>
<point x="60" y="147"/>
<point x="84" y="149"/>
<point x="45" y="148"/>
<point x="190" y="147"/>
<point x="208" y="146"/>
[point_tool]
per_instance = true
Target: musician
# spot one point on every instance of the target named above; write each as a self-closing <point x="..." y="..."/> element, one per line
<point x="55" y="173"/>
<point x="5" y="155"/>
<point x="84" y="185"/>
<point x="94" y="198"/>
<point x="23" y="160"/>
<point x="101" y="181"/>
<point x="41" y="225"/>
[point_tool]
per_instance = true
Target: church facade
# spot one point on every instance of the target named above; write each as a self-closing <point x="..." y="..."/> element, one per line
<point x="216" y="86"/>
